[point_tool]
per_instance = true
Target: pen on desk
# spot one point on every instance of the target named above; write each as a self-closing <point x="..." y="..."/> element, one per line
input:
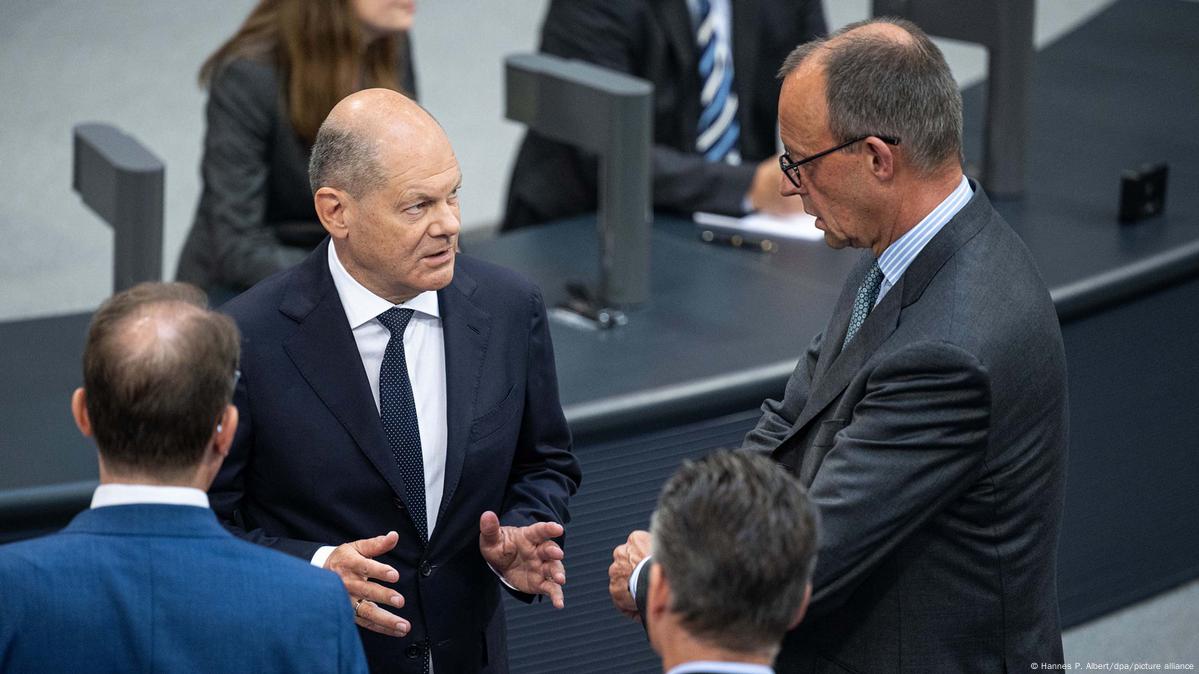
<point x="737" y="240"/>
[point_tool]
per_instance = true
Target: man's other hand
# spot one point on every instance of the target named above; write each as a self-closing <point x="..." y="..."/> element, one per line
<point x="624" y="559"/>
<point x="527" y="557"/>
<point x="764" y="194"/>
<point x="353" y="562"/>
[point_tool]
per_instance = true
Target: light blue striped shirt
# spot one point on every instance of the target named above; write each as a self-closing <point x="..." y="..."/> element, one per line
<point x="896" y="259"/>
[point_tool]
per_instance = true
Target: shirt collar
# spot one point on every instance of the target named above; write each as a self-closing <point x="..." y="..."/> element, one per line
<point x="362" y="305"/>
<point x="129" y="494"/>
<point x="899" y="255"/>
<point x="713" y="666"/>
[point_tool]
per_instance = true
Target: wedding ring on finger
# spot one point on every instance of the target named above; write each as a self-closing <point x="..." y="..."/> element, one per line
<point x="358" y="605"/>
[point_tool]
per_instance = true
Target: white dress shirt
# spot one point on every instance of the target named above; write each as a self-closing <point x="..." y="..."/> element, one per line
<point x="724" y="667"/>
<point x="129" y="494"/>
<point x="424" y="353"/>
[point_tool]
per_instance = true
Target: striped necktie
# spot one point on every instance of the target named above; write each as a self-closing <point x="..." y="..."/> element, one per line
<point x="718" y="129"/>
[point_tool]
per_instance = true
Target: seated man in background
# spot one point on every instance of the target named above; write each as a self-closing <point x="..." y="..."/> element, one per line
<point x="735" y="541"/>
<point x="147" y="579"/>
<point x="712" y="65"/>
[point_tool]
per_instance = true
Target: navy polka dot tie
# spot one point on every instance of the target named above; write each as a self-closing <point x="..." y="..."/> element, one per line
<point x="864" y="302"/>
<point x="397" y="408"/>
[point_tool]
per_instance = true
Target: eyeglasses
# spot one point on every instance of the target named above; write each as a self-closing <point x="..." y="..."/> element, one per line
<point x="790" y="167"/>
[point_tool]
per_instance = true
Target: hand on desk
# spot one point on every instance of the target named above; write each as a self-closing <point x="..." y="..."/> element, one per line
<point x="624" y="560"/>
<point x="353" y="562"/>
<point x="764" y="194"/>
<point x="526" y="557"/>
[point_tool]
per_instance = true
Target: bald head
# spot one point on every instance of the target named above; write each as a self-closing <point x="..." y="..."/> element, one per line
<point x="157" y="375"/>
<point x="356" y="140"/>
<point x="885" y="77"/>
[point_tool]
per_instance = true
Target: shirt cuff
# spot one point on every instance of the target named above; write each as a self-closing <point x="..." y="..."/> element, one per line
<point x="501" y="577"/>
<point x="635" y="575"/>
<point x="322" y="555"/>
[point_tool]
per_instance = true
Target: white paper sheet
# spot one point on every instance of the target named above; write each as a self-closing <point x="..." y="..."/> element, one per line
<point x="760" y="225"/>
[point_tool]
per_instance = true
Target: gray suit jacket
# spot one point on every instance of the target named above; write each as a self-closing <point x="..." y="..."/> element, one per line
<point x="935" y="448"/>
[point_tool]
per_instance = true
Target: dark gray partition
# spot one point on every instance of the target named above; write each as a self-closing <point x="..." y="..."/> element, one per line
<point x="608" y="113"/>
<point x="1005" y="28"/>
<point x="122" y="182"/>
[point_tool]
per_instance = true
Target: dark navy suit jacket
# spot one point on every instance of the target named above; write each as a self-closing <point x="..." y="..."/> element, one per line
<point x="311" y="465"/>
<point x="163" y="588"/>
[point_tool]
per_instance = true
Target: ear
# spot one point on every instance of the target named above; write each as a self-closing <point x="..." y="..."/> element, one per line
<point x="657" y="607"/>
<point x="223" y="437"/>
<point x="331" y="205"/>
<point x="803" y="606"/>
<point x="882" y="158"/>
<point x="79" y="411"/>
<point x="658" y="600"/>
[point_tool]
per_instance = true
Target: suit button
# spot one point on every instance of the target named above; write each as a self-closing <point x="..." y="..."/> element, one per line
<point x="413" y="652"/>
<point x="398" y="503"/>
<point x="426" y="569"/>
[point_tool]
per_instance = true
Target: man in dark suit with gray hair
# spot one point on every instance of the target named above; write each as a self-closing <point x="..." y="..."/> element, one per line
<point x="735" y="539"/>
<point x="929" y="419"/>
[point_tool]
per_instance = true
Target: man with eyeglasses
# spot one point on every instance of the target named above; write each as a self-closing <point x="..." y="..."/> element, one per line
<point x="928" y="420"/>
<point x="147" y="580"/>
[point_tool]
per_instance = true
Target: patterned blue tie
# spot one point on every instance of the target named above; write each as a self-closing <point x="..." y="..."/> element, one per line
<point x="718" y="129"/>
<point x="864" y="302"/>
<point x="397" y="408"/>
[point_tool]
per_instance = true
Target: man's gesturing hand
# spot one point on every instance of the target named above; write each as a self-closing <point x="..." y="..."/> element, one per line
<point x="352" y="561"/>
<point x="527" y="557"/>
<point x="624" y="560"/>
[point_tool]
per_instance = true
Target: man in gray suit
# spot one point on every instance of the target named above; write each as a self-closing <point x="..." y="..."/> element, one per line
<point x="928" y="420"/>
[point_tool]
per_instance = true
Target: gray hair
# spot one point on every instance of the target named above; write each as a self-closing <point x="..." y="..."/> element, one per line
<point x="877" y="85"/>
<point x="736" y="537"/>
<point x="343" y="159"/>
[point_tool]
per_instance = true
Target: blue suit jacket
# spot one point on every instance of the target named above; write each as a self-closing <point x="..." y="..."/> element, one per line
<point x="311" y="465"/>
<point x="163" y="588"/>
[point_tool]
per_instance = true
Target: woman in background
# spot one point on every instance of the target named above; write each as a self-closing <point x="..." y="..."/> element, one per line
<point x="270" y="87"/>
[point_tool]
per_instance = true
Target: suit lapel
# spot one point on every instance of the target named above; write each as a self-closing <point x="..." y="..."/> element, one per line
<point x="745" y="22"/>
<point x="675" y="19"/>
<point x="838" y="324"/>
<point x="875" y="330"/>
<point x="676" y="23"/>
<point x="324" y="351"/>
<point x="834" y="371"/>
<point x="465" y="328"/>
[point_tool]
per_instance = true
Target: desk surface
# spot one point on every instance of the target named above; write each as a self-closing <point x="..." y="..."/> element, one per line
<point x="725" y="325"/>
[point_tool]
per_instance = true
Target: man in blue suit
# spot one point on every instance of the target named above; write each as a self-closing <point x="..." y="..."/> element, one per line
<point x="401" y="423"/>
<point x="147" y="579"/>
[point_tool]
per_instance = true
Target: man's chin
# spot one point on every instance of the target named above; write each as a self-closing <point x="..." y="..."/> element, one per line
<point x="442" y="278"/>
<point x="833" y="241"/>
